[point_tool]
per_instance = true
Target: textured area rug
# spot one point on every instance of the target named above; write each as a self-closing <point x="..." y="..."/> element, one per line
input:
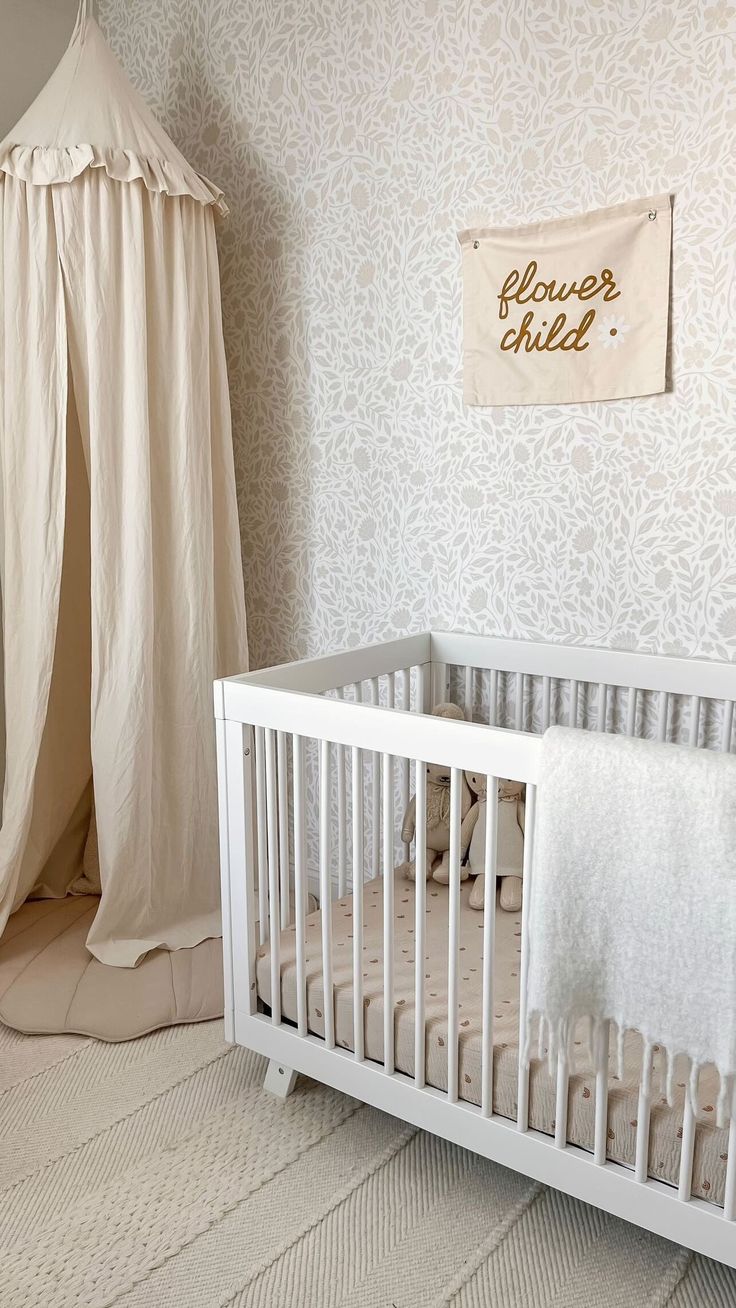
<point x="157" y="1172"/>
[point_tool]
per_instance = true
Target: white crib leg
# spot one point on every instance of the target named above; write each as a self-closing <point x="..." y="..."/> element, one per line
<point x="280" y="1080"/>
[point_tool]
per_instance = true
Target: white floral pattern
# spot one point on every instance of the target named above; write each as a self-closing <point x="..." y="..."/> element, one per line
<point x="353" y="141"/>
<point x="612" y="331"/>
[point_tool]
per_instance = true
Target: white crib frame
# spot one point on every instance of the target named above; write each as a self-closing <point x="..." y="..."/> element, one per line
<point x="290" y="699"/>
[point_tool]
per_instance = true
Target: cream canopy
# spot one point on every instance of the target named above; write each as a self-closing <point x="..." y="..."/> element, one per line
<point x="121" y="570"/>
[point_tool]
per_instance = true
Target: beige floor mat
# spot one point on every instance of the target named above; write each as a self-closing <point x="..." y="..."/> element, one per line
<point x="49" y="982"/>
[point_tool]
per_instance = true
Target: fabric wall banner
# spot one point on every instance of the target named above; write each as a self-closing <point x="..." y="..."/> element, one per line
<point x="570" y="310"/>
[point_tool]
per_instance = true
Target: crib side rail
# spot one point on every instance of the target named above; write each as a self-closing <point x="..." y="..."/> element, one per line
<point x="714" y="679"/>
<point x="313" y="676"/>
<point x="382" y="730"/>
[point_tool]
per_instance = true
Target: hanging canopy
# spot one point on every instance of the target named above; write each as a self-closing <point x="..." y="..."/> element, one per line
<point x="120" y="554"/>
<point x="89" y="116"/>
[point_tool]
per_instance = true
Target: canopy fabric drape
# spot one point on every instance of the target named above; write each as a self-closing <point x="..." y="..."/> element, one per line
<point x="121" y="570"/>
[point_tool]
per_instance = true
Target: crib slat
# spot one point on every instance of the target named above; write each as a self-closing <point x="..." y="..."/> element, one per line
<point x="643" y="1113"/>
<point x="519" y="701"/>
<point x="469" y="686"/>
<point x="261" y="821"/>
<point x="358" y="842"/>
<point x="342" y="833"/>
<point x="453" y="941"/>
<point x="439" y="683"/>
<point x="274" y="920"/>
<point x="489" y="939"/>
<point x="573" y="705"/>
<point x="600" y="724"/>
<point x="342" y="838"/>
<point x="685" y="1179"/>
<point x="546" y="701"/>
<point x="694" y="734"/>
<point x="662" y="714"/>
<point x="420" y="889"/>
<point x="391" y="690"/>
<point x="631" y="712"/>
<point x="405" y="765"/>
<point x="522" y="1096"/>
<point x="727" y="726"/>
<point x="561" y="1097"/>
<point x="300" y="880"/>
<point x="424" y="688"/>
<point x="729" y="1200"/>
<point x="375" y="796"/>
<point x="283" y="778"/>
<point x="493" y="698"/>
<point x="601" y="1093"/>
<point x="325" y="892"/>
<point x="388" y="913"/>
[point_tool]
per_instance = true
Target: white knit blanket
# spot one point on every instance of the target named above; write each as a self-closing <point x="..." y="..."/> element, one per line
<point x="632" y="900"/>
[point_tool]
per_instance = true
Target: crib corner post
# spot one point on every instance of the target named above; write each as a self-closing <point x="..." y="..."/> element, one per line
<point x="227" y="944"/>
<point x="236" y="786"/>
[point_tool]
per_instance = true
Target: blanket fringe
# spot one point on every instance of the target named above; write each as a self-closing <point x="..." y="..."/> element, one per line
<point x="551" y="1041"/>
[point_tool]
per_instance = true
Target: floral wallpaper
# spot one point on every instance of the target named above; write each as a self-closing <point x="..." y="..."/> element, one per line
<point x="353" y="141"/>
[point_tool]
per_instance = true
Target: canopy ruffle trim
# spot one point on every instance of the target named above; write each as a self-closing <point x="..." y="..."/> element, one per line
<point x="45" y="165"/>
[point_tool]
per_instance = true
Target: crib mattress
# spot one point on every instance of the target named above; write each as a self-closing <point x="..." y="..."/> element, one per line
<point x="709" y="1167"/>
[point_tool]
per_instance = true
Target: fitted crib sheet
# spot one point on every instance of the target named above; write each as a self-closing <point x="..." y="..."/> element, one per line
<point x="709" y="1165"/>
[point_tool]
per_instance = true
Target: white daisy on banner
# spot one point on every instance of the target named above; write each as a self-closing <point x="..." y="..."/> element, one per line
<point x="611" y="331"/>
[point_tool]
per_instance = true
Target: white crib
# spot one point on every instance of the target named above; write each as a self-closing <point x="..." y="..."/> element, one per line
<point x="316" y="761"/>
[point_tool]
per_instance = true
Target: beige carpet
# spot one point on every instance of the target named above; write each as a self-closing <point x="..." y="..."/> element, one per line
<point x="158" y="1173"/>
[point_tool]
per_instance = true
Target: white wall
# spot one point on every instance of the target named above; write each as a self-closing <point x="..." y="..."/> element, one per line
<point x="33" y="36"/>
<point x="353" y="141"/>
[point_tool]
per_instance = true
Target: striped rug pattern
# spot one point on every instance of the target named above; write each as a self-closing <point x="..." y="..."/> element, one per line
<point x="158" y="1173"/>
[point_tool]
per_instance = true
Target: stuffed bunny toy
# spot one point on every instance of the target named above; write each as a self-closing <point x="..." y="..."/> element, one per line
<point x="438" y="816"/>
<point x="510" y="841"/>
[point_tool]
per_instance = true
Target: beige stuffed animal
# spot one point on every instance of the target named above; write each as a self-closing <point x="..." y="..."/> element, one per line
<point x="509" y="841"/>
<point x="438" y="816"/>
